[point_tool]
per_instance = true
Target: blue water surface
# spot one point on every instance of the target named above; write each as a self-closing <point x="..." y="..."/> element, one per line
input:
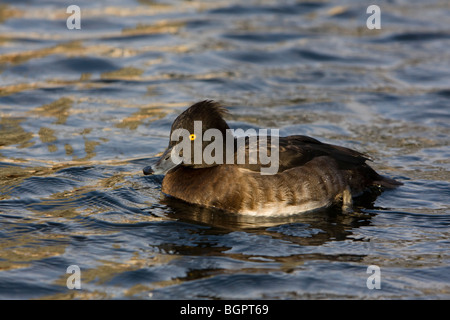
<point x="83" y="111"/>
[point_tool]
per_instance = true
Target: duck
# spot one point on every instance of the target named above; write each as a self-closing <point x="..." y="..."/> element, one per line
<point x="309" y="175"/>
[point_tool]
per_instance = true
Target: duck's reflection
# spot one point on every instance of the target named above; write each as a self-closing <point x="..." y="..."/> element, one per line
<point x="320" y="226"/>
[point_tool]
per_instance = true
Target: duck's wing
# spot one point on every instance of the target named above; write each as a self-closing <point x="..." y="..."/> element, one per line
<point x="295" y="151"/>
<point x="298" y="150"/>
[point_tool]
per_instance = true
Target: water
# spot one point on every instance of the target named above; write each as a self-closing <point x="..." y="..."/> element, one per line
<point x="83" y="111"/>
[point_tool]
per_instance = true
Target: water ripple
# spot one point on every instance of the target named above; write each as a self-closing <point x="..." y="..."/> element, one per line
<point x="82" y="112"/>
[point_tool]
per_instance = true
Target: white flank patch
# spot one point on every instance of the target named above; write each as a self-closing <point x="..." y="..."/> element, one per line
<point x="281" y="209"/>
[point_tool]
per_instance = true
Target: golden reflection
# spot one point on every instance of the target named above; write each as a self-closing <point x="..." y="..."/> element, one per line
<point x="47" y="135"/>
<point x="85" y="77"/>
<point x="146" y="8"/>
<point x="337" y="10"/>
<point x="89" y="148"/>
<point x="113" y="181"/>
<point x="19" y="251"/>
<point x="7" y="90"/>
<point x="8" y="12"/>
<point x="69" y="48"/>
<point x="106" y="271"/>
<point x="137" y="118"/>
<point x="58" y="109"/>
<point x="163" y="26"/>
<point x="12" y="176"/>
<point x="12" y="133"/>
<point x="128" y="73"/>
<point x="11" y="89"/>
<point x="138" y="289"/>
<point x="52" y="148"/>
<point x="77" y="294"/>
<point x="69" y="149"/>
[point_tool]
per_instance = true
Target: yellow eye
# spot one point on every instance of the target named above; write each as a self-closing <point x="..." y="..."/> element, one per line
<point x="192" y="137"/>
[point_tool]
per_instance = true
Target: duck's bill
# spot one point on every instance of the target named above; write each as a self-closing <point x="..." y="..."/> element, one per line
<point x="163" y="165"/>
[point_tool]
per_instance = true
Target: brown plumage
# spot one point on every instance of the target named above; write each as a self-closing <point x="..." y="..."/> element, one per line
<point x="311" y="175"/>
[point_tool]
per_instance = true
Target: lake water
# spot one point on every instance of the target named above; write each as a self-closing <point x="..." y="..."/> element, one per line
<point x="83" y="111"/>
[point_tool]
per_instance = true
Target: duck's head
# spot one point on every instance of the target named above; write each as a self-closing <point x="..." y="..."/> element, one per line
<point x="189" y="131"/>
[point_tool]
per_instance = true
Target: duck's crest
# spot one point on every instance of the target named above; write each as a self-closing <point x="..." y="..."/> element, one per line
<point x="209" y="106"/>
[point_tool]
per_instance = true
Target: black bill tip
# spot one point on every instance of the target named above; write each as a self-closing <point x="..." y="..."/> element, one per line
<point x="147" y="170"/>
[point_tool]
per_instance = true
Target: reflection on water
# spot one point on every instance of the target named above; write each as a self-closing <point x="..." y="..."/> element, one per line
<point x="82" y="112"/>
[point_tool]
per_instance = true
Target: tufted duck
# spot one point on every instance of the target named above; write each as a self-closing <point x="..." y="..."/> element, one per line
<point x="309" y="175"/>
